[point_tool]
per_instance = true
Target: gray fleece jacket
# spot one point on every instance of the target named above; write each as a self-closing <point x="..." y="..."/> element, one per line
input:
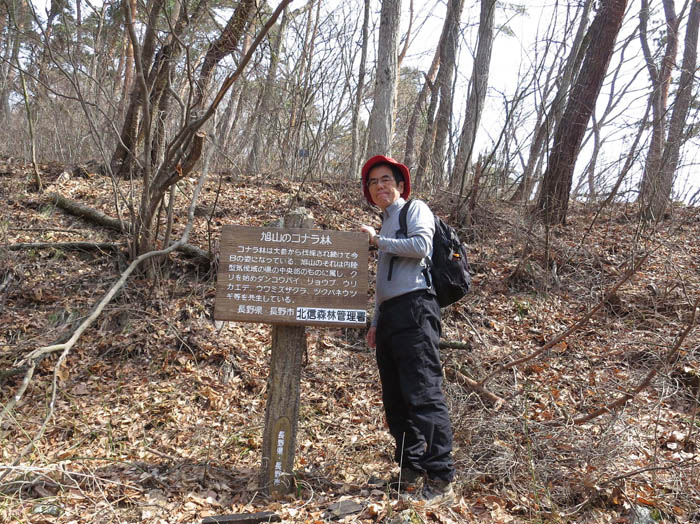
<point x="411" y="252"/>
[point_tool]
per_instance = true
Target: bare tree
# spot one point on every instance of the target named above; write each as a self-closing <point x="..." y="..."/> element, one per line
<point x="382" y="114"/>
<point x="443" y="77"/>
<point x="418" y="108"/>
<point x="165" y="163"/>
<point x="11" y="22"/>
<point x="264" y="104"/>
<point x="663" y="156"/>
<point x="356" y="153"/>
<point x="477" y="91"/>
<point x="548" y="117"/>
<point x="660" y="76"/>
<point x="553" y="202"/>
<point x="444" y="85"/>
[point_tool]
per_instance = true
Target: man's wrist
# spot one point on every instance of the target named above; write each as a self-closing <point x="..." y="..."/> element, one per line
<point x="375" y="240"/>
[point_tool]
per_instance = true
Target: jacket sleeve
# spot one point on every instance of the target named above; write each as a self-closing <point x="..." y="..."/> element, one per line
<point x="420" y="225"/>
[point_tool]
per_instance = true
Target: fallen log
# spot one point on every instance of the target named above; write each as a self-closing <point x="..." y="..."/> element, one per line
<point x="93" y="215"/>
<point x="448" y="344"/>
<point x="99" y="218"/>
<point x="70" y="246"/>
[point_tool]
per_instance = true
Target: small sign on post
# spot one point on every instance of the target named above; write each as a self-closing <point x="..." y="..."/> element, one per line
<point x="290" y="277"/>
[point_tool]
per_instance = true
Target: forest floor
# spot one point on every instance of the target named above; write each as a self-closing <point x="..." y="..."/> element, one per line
<point x="159" y="410"/>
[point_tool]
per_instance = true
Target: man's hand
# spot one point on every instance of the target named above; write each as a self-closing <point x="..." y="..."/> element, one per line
<point x="371" y="233"/>
<point x="371" y="337"/>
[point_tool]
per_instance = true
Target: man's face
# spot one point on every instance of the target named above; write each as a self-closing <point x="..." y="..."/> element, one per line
<point x="383" y="187"/>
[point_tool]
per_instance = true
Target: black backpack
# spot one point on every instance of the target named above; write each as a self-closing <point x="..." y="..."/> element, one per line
<point x="448" y="273"/>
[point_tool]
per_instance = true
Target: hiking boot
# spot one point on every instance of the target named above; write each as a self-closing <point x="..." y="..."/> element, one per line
<point x="406" y="481"/>
<point x="435" y="492"/>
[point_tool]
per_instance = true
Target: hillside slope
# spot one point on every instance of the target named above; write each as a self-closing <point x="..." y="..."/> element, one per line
<point x="159" y="410"/>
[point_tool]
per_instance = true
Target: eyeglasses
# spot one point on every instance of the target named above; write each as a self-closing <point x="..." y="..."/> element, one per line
<point x="385" y="180"/>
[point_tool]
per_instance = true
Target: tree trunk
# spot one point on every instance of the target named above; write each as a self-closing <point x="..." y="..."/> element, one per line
<point x="356" y="152"/>
<point x="545" y="128"/>
<point x="426" y="146"/>
<point x="477" y="92"/>
<point x="382" y="114"/>
<point x="553" y="202"/>
<point x="128" y="67"/>
<point x="669" y="163"/>
<point x="10" y="57"/>
<point x="410" y="154"/>
<point x="124" y="156"/>
<point x="660" y="82"/>
<point x="265" y="103"/>
<point x="662" y="160"/>
<point x="223" y="46"/>
<point x="448" y="54"/>
<point x="594" y="161"/>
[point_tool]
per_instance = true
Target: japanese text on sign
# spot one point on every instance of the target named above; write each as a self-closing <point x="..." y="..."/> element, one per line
<point x="293" y="276"/>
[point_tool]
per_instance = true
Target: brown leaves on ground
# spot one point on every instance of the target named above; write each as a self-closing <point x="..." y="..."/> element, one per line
<point x="160" y="409"/>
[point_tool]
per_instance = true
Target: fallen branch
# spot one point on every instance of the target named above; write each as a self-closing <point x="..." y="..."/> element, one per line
<point x="11" y="372"/>
<point x="448" y="344"/>
<point x="69" y="246"/>
<point x="31" y="360"/>
<point x="99" y="218"/>
<point x="689" y="461"/>
<point x="670" y="355"/>
<point x="459" y="377"/>
<point x="47" y="229"/>
<point x="93" y="215"/>
<point x="578" y="325"/>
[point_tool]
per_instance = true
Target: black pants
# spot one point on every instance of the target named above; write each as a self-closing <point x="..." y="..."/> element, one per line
<point x="408" y="333"/>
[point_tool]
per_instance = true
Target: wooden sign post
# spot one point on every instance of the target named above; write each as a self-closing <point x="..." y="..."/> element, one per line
<point x="290" y="277"/>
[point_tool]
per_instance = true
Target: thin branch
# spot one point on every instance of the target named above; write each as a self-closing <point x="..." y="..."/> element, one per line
<point x="670" y="355"/>
<point x="32" y="359"/>
<point x="578" y="325"/>
<point x="639" y="471"/>
<point x="461" y="378"/>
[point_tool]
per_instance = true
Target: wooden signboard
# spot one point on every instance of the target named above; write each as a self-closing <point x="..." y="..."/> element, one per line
<point x="292" y="276"/>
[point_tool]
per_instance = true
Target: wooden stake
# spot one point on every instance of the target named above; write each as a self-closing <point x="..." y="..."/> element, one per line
<point x="282" y="409"/>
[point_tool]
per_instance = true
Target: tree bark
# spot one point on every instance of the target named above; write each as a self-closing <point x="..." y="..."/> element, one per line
<point x="544" y="128"/>
<point x="356" y="152"/>
<point x="223" y="46"/>
<point x="477" y="92"/>
<point x="448" y="56"/>
<point x="426" y="146"/>
<point x="552" y="205"/>
<point x="657" y="186"/>
<point x="382" y="114"/>
<point x="660" y="81"/>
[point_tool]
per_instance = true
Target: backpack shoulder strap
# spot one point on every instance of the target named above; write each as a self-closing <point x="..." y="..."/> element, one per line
<point x="403" y="227"/>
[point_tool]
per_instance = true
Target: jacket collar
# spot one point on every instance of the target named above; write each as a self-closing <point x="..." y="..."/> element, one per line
<point x="394" y="207"/>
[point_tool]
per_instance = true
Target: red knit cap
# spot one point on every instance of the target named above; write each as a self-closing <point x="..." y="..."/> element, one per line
<point x="381" y="159"/>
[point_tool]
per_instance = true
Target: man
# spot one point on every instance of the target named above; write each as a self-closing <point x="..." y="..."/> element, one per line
<point x="405" y="331"/>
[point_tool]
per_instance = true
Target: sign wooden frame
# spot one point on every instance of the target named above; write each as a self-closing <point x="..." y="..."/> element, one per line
<point x="292" y="276"/>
